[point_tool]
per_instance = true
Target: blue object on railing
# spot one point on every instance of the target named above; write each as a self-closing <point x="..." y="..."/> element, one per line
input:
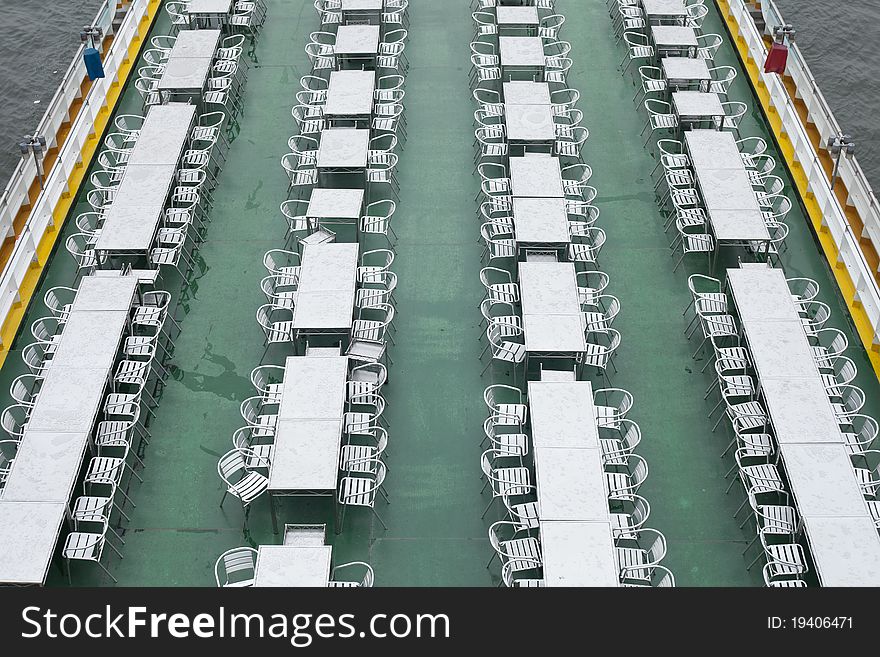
<point x="94" y="67"/>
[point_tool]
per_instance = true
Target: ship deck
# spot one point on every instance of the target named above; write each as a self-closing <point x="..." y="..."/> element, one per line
<point x="436" y="536"/>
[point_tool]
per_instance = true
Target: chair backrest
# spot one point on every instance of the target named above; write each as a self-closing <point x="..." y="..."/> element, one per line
<point x="14" y="419"/>
<point x="235" y="567"/>
<point x="805" y="289"/>
<point x="276" y="259"/>
<point x="45" y="328"/>
<point x="366" y="580"/>
<point x="264" y="375"/>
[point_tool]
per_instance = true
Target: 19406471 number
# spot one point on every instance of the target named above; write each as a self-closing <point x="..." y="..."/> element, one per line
<point x="810" y="622"/>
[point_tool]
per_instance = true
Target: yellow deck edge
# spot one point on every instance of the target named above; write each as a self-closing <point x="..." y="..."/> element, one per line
<point x="13" y="320"/>
<point x="844" y="282"/>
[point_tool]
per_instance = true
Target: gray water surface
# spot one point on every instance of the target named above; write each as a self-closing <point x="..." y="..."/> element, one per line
<point x="841" y="42"/>
<point x="37" y="41"/>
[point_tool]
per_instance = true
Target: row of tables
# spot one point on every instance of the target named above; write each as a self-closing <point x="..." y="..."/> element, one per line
<point x="843" y="540"/>
<point x="725" y="187"/>
<point x="33" y="503"/>
<point x="577" y="542"/>
<point x="135" y="215"/>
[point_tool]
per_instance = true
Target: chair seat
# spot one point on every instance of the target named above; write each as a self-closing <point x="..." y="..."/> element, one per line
<point x="521" y="553"/>
<point x="91" y="508"/>
<point x="280" y="331"/>
<point x="249" y="487"/>
<point x="83" y="545"/>
<point x="369" y="351"/>
<point x="508" y="415"/>
<point x="367" y="329"/>
<point x="357" y="491"/>
<point x="105" y="469"/>
<point x="763" y="478"/>
<point x="786" y="559"/>
<point x="356" y="458"/>
<point x="631" y="559"/>
<point x="507" y="292"/>
<point x="607" y="417"/>
<point x="513" y="444"/>
<point x="511" y="481"/>
<point x="619" y="485"/>
<point x="622" y="526"/>
<point x="358" y="423"/>
<point x="526" y="514"/>
<point x="320" y="236"/>
<point x="777" y="519"/>
<point x="594" y="321"/>
<point x="333" y="584"/>
<point x="272" y="393"/>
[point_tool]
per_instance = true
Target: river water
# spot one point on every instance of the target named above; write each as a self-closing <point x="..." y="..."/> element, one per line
<point x="841" y="40"/>
<point x="37" y="42"/>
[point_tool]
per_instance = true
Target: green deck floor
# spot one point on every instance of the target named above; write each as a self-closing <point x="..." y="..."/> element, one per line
<point x="435" y="536"/>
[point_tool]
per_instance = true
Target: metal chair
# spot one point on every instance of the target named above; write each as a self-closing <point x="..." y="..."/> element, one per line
<point x="236" y="568"/>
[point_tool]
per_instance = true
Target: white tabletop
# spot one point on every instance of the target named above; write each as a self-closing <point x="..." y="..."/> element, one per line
<point x="361" y="5"/>
<point x="523" y="92"/>
<point x="28" y="533"/>
<point x="357" y="39"/>
<point x="97" y="293"/>
<point x="822" y="480"/>
<point x="537" y="176"/>
<point x="549" y="288"/>
<point x="314" y="388"/>
<point x="144" y="186"/>
<point x="800" y="411"/>
<point x="521" y="51"/>
<point x="540" y="221"/>
<point x="196" y="43"/>
<point x="129" y="229"/>
<point x="89" y="341"/>
<point x="293" y="566"/>
<point x="163" y="135"/>
<point x="846" y="551"/>
<point x="350" y="93"/>
<point x="335" y="203"/>
<point x="329" y="267"/>
<point x="780" y="349"/>
<point x="571" y="484"/>
<point x="554" y="334"/>
<point x="761" y="294"/>
<point x="685" y="68"/>
<point x="325" y="298"/>
<point x="209" y="7"/>
<point x="306" y="455"/>
<point x="697" y="104"/>
<point x="724" y="184"/>
<point x="69" y="400"/>
<point x="711" y="149"/>
<point x="664" y="8"/>
<point x="578" y="554"/>
<point x="46" y="467"/>
<point x="529" y="123"/>
<point x="674" y="36"/>
<point x="562" y="415"/>
<point x="186" y="73"/>
<point x="344" y="148"/>
<point x="324" y="311"/>
<point x="516" y="15"/>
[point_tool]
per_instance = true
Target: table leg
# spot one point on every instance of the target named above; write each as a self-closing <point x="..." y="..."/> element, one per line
<point x="274" y="514"/>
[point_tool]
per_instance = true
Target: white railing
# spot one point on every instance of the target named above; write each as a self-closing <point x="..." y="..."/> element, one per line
<point x="70" y="153"/>
<point x="850" y="254"/>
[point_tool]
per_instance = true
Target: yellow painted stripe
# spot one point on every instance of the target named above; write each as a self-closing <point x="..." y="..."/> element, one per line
<point x="90" y="148"/>
<point x="844" y="282"/>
